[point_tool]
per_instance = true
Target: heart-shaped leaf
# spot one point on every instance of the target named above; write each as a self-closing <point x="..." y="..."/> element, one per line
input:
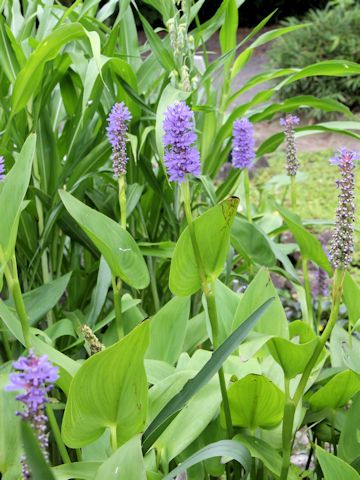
<point x="255" y="402"/>
<point x="109" y="391"/>
<point x="212" y="231"/>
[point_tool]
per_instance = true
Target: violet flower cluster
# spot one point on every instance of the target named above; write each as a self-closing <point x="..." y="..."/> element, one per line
<point x="2" y="168"/>
<point x="35" y="378"/>
<point x="118" y="122"/>
<point x="342" y="243"/>
<point x="322" y="281"/>
<point x="181" y="156"/>
<point x="243" y="153"/>
<point x="292" y="163"/>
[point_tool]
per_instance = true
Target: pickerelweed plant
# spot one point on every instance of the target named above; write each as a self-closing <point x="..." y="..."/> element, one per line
<point x="135" y="256"/>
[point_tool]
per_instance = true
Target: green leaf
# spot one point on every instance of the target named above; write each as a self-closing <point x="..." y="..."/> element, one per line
<point x="39" y="301"/>
<point x="127" y="463"/>
<point x="264" y="452"/>
<point x="349" y="442"/>
<point x="224" y="448"/>
<point x="251" y="243"/>
<point x="109" y="391"/>
<point x="29" y="77"/>
<point x="292" y="357"/>
<point x="261" y="40"/>
<point x="310" y="246"/>
<point x="37" y="464"/>
<point x="255" y="402"/>
<point x="274" y="321"/>
<point x="12" y="194"/>
<point x="157" y="426"/>
<point x="167" y="330"/>
<point x="334" y="468"/>
<point x="337" y="391"/>
<point x="227" y="36"/>
<point x="78" y="470"/>
<point x="116" y="244"/>
<point x="212" y="231"/>
<point x="10" y="444"/>
<point x="162" y="54"/>
<point x="351" y="295"/>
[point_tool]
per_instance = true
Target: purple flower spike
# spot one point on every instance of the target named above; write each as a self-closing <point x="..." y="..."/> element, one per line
<point x="118" y="121"/>
<point x="322" y="280"/>
<point x="35" y="378"/>
<point x="2" y="168"/>
<point x="243" y="144"/>
<point x="181" y="157"/>
<point x="342" y="243"/>
<point x="292" y="163"/>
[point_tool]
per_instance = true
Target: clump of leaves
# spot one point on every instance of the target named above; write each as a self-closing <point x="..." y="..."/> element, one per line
<point x="333" y="33"/>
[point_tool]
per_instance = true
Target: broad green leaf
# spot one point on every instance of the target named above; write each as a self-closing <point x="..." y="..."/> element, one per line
<point x="349" y="442"/>
<point x="8" y="60"/>
<point x="39" y="301"/>
<point x="99" y="293"/>
<point x="337" y="391"/>
<point x="12" y="194"/>
<point x="344" y="350"/>
<point x="229" y="449"/>
<point x="274" y="321"/>
<point x="10" y="443"/>
<point x="310" y="246"/>
<point x="109" y="391"/>
<point x="255" y="402"/>
<point x="264" y="452"/>
<point x="202" y="378"/>
<point x="338" y="68"/>
<point x="351" y="295"/>
<point x="167" y="330"/>
<point x="127" y="463"/>
<point x="38" y="466"/>
<point x="116" y="244"/>
<point x="292" y="357"/>
<point x="251" y="243"/>
<point x="212" y="231"/>
<point x="334" y="468"/>
<point x="78" y="470"/>
<point x="196" y="332"/>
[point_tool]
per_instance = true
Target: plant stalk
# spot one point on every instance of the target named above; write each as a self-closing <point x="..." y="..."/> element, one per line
<point x="247" y="194"/>
<point x="57" y="435"/>
<point x="116" y="285"/>
<point x="122" y="199"/>
<point x="307" y="287"/>
<point x="289" y="414"/>
<point x="293" y="191"/>
<point x="210" y="300"/>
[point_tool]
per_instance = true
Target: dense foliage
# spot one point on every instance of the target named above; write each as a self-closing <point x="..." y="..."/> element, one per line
<point x="333" y="32"/>
<point x="139" y="320"/>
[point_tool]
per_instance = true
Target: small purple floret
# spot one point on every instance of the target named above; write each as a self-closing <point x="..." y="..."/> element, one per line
<point x="118" y="121"/>
<point x="342" y="243"/>
<point x="181" y="156"/>
<point x="243" y="152"/>
<point x="2" y="168"/>
<point x="35" y="377"/>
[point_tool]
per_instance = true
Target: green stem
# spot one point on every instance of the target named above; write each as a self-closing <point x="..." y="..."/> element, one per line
<point x="293" y="191"/>
<point x="113" y="438"/>
<point x="319" y="313"/>
<point x="210" y="299"/>
<point x="6" y="345"/>
<point x="289" y="413"/>
<point x="12" y="279"/>
<point x="307" y="287"/>
<point x="122" y="199"/>
<point x="116" y="284"/>
<point x="247" y="194"/>
<point x="57" y="435"/>
<point x="288" y="420"/>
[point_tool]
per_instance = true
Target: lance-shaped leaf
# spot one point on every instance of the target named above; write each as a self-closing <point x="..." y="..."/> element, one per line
<point x="109" y="391"/>
<point x="212" y="231"/>
<point x="114" y="242"/>
<point x="12" y="194"/>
